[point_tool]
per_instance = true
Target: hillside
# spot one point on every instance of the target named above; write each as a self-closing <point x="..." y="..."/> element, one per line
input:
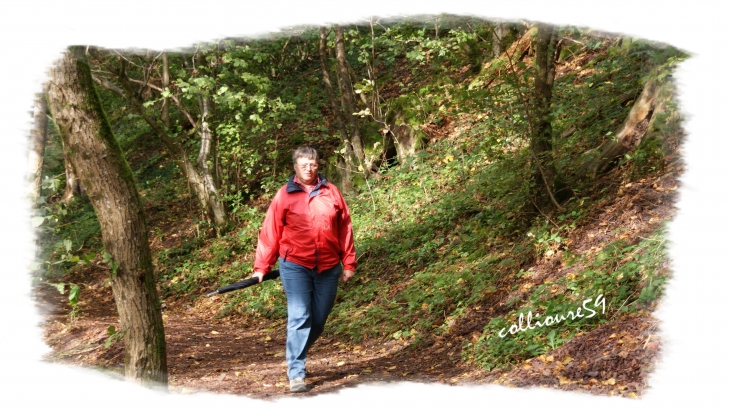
<point x="454" y="244"/>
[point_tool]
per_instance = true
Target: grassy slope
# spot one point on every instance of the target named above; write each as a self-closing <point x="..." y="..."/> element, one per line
<point x="449" y="243"/>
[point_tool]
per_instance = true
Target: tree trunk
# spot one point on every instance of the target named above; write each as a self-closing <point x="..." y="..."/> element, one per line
<point x="178" y="153"/>
<point x="107" y="178"/>
<point x="215" y="205"/>
<point x="73" y="184"/>
<point x="328" y="85"/>
<point x="345" y="165"/>
<point x="165" y="110"/>
<point x="348" y="101"/>
<point x="629" y="136"/>
<point x="37" y="145"/>
<point x="514" y="52"/>
<point x="498" y="34"/>
<point x="542" y="130"/>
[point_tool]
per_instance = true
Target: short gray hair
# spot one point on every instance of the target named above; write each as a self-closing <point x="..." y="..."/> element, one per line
<point x="305" y="152"/>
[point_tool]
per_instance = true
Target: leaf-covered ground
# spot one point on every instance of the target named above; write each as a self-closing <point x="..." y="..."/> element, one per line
<point x="234" y="355"/>
<point x="460" y="250"/>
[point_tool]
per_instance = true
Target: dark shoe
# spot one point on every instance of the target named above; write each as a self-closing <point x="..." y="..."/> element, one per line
<point x="297" y="385"/>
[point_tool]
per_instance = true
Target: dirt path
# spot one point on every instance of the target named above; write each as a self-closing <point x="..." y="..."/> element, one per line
<point x="230" y="355"/>
<point x="225" y="355"/>
<point x="206" y="354"/>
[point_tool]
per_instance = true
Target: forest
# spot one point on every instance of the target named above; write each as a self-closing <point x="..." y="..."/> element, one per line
<point x="501" y="177"/>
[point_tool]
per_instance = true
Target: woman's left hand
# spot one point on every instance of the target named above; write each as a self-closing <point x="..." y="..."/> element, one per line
<point x="347" y="274"/>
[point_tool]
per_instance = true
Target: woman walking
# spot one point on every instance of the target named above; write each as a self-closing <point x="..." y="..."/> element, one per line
<point x="308" y="228"/>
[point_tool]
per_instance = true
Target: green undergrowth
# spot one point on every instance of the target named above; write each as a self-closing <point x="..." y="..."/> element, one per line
<point x="438" y="233"/>
<point x="619" y="280"/>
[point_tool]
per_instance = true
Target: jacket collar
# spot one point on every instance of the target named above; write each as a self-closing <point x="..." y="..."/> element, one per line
<point x="292" y="186"/>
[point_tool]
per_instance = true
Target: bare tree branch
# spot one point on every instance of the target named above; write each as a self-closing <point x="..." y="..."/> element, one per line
<point x="108" y="85"/>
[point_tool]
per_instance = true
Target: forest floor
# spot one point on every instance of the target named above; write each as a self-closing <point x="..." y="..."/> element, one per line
<point x="232" y="355"/>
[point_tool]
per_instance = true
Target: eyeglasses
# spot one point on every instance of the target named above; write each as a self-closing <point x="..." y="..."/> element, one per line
<point x="310" y="166"/>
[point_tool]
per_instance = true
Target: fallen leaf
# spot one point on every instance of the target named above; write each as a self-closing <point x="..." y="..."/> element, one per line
<point x="213" y="332"/>
<point x="610" y="382"/>
<point x="340" y="363"/>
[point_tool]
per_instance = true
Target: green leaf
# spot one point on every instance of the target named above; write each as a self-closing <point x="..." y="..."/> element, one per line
<point x="73" y="295"/>
<point x="88" y="258"/>
<point x="111" y="330"/>
<point x="60" y="287"/>
<point x="37" y="221"/>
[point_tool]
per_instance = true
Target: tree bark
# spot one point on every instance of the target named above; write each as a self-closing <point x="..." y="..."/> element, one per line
<point x="516" y="51"/>
<point x="328" y="84"/>
<point x="211" y="206"/>
<point x="165" y="110"/>
<point x="215" y="205"/>
<point x="107" y="178"/>
<point x="37" y="145"/>
<point x="542" y="130"/>
<point x="498" y="34"/>
<point x="629" y="135"/>
<point x="73" y="184"/>
<point x="348" y="101"/>
<point x="346" y="164"/>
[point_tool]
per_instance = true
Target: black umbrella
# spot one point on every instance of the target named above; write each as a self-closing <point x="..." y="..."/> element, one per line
<point x="244" y="283"/>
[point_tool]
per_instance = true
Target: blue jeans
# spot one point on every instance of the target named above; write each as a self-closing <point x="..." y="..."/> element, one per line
<point x="310" y="297"/>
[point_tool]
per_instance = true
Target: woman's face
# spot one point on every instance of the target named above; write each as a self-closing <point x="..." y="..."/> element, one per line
<point x="306" y="170"/>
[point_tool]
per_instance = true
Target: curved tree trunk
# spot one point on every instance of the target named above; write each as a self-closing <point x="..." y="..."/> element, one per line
<point x="37" y="145"/>
<point x="96" y="155"/>
<point x="629" y="136"/>
<point x="211" y="205"/>
<point x="215" y="205"/>
<point x="515" y="52"/>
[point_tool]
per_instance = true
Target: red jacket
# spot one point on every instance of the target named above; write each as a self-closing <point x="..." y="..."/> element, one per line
<point x="313" y="230"/>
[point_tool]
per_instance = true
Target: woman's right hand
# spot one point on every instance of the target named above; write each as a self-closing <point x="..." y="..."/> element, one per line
<point x="259" y="275"/>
